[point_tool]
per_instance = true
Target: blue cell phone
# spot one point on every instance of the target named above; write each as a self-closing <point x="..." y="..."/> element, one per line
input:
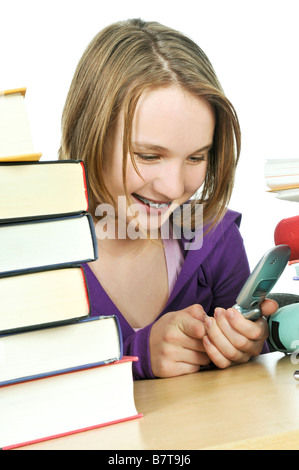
<point x="261" y="281"/>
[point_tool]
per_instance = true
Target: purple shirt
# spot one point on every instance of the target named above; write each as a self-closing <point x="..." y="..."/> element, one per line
<point x="211" y="276"/>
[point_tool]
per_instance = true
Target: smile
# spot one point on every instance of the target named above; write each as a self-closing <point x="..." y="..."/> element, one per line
<point x="156" y="205"/>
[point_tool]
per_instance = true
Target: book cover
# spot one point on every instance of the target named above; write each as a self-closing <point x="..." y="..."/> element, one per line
<point x="56" y="349"/>
<point x="53" y="407"/>
<point x="282" y="173"/>
<point x="47" y="242"/>
<point x="42" y="189"/>
<point x="16" y="140"/>
<point x="40" y="298"/>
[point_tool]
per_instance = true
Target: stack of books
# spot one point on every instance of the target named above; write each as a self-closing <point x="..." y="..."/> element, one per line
<point x="61" y="370"/>
<point x="282" y="178"/>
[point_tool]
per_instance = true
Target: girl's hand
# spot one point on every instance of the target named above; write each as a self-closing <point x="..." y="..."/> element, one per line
<point x="232" y="339"/>
<point x="176" y="346"/>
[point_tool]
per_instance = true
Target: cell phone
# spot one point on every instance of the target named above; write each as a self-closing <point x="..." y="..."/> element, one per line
<point x="261" y="281"/>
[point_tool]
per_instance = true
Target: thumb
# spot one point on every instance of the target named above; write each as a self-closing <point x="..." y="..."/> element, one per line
<point x="268" y="307"/>
<point x="196" y="311"/>
<point x="191" y="325"/>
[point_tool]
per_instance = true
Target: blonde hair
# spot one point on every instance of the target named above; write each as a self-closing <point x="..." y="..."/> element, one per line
<point x="120" y="63"/>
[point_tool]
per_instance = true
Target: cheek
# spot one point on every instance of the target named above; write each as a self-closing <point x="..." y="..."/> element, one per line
<point x="195" y="178"/>
<point x="114" y="177"/>
<point x="112" y="173"/>
<point x="133" y="180"/>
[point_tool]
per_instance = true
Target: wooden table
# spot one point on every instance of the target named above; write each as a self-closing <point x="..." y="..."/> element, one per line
<point x="250" y="406"/>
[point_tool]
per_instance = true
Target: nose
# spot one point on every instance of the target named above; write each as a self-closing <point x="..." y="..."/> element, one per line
<point x="170" y="181"/>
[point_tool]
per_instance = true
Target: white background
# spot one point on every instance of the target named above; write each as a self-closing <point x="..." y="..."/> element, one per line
<point x="252" y="44"/>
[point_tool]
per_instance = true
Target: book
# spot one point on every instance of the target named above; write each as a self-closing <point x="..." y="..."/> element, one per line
<point x="42" y="189"/>
<point x="57" y="349"/>
<point x="287" y="194"/>
<point x="281" y="174"/>
<point x="44" y="242"/>
<point x="38" y="299"/>
<point x="16" y="140"/>
<point x="77" y="401"/>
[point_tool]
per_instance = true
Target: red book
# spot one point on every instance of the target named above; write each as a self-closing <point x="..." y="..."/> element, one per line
<point x="55" y="406"/>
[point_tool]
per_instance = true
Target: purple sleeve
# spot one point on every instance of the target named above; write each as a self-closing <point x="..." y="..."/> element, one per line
<point x="137" y="344"/>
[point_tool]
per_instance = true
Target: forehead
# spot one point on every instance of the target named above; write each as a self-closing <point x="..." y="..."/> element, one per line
<point x="173" y="118"/>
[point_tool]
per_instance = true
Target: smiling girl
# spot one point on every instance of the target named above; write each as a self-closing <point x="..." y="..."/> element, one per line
<point x="147" y="114"/>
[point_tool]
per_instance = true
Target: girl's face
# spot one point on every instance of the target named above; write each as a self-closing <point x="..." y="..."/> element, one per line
<point x="171" y="137"/>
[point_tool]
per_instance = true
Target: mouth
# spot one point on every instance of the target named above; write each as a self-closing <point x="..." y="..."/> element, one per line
<point x="151" y="203"/>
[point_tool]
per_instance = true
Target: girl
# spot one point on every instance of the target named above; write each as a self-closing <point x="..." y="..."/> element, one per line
<point x="146" y="113"/>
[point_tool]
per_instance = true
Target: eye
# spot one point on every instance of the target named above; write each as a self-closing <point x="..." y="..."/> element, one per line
<point x="146" y="157"/>
<point x="197" y="158"/>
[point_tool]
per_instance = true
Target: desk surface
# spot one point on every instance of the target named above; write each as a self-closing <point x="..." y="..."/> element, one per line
<point x="250" y="406"/>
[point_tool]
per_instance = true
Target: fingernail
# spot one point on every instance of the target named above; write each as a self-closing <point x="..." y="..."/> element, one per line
<point x="230" y="313"/>
<point x="208" y="322"/>
<point x="218" y="311"/>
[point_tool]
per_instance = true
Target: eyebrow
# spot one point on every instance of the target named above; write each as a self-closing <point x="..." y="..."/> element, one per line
<point x="159" y="148"/>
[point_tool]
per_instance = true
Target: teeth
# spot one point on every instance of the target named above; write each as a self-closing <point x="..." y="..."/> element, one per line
<point x="153" y="204"/>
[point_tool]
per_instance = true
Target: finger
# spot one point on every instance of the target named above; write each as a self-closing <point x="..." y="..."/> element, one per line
<point x="191" y="326"/>
<point x="193" y="357"/>
<point x="193" y="344"/>
<point x="252" y="330"/>
<point x="174" y="368"/>
<point x="221" y="342"/>
<point x="186" y="362"/>
<point x="238" y="340"/>
<point x="215" y="355"/>
<point x="181" y="368"/>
